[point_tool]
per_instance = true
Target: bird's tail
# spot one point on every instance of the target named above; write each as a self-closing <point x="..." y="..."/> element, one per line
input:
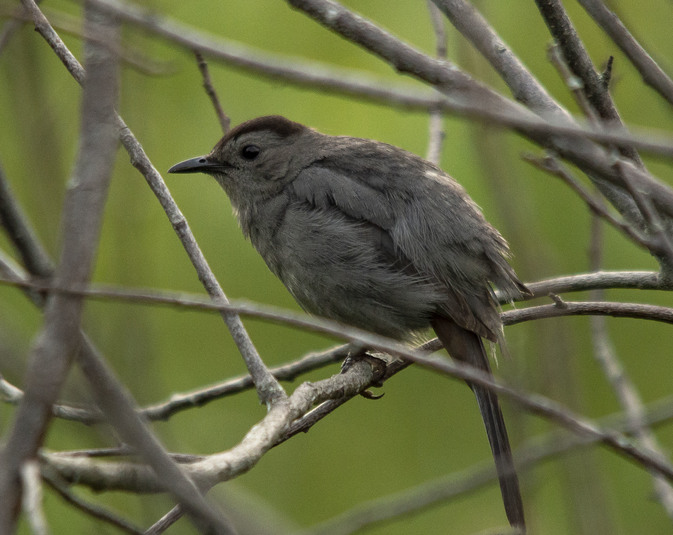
<point x="468" y="347"/>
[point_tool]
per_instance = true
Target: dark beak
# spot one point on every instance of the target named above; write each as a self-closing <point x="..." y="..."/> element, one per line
<point x="200" y="164"/>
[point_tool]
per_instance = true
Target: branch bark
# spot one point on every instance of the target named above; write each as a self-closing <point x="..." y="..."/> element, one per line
<point x="58" y="341"/>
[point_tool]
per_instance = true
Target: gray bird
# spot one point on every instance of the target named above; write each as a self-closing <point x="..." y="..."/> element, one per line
<point x="375" y="237"/>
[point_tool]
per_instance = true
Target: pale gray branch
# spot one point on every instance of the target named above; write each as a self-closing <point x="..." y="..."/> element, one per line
<point x="58" y="341"/>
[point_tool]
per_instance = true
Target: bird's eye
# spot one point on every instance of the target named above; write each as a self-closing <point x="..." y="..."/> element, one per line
<point x="250" y="152"/>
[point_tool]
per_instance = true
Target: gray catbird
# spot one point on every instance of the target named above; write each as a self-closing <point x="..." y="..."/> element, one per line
<point x="375" y="237"/>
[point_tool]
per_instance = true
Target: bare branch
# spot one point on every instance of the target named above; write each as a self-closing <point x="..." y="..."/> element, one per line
<point x="222" y="117"/>
<point x="523" y="85"/>
<point x="635" y="279"/>
<point x="82" y="214"/>
<point x="641" y="280"/>
<point x="652" y="74"/>
<point x="587" y="308"/>
<point x="268" y="389"/>
<point x="553" y="166"/>
<point x="415" y="499"/>
<point x="435" y="126"/>
<point x="32" y="497"/>
<point x="91" y="509"/>
<point x="578" y="61"/>
<point x="197" y="398"/>
<point x="112" y="398"/>
<point x="226" y="465"/>
<point x="181" y="401"/>
<point x="272" y="429"/>
<point x="19" y="230"/>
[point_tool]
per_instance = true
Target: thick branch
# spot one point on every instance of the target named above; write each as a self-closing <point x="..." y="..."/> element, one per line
<point x="58" y="341"/>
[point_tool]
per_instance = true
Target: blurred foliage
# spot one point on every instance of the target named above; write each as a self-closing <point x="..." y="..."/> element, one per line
<point x="425" y="426"/>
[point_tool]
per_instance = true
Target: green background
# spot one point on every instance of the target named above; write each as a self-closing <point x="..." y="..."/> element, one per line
<point x="425" y="426"/>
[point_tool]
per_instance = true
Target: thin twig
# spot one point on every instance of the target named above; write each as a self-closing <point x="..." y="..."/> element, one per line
<point x="95" y="511"/>
<point x="181" y="401"/>
<point x="641" y="280"/>
<point x="436" y="131"/>
<point x="21" y="233"/>
<point x="268" y="389"/>
<point x="588" y="308"/>
<point x="222" y="117"/>
<point x="551" y="165"/>
<point x="288" y="372"/>
<point x="572" y="82"/>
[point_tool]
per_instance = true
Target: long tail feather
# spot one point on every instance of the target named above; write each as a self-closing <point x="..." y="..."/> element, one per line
<point x="467" y="347"/>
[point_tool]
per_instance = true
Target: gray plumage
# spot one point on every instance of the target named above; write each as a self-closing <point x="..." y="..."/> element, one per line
<point x="373" y="236"/>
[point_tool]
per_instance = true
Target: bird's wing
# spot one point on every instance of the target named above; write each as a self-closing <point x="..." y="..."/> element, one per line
<point x="435" y="244"/>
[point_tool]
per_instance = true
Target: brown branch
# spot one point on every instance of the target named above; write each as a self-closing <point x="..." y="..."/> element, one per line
<point x="603" y="280"/>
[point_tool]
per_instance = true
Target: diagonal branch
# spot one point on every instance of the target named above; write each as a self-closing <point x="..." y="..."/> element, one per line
<point x="268" y="389"/>
<point x="653" y="75"/>
<point x="596" y="161"/>
<point x="578" y="61"/>
<point x="58" y="341"/>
